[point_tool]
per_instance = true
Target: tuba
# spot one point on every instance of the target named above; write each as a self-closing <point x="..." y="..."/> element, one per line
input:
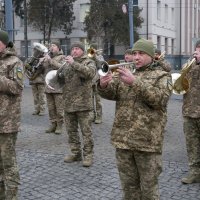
<point x="179" y="81"/>
<point x="32" y="64"/>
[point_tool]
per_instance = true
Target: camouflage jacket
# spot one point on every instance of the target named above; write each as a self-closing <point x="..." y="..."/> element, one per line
<point x="191" y="100"/>
<point x="77" y="90"/>
<point x="163" y="64"/>
<point x="54" y="64"/>
<point x="11" y="86"/>
<point x="141" y="109"/>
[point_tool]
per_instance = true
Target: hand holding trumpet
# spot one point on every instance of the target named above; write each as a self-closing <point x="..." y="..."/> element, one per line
<point x="126" y="75"/>
<point x="69" y="59"/>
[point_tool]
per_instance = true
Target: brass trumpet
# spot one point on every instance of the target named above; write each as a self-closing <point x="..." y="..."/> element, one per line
<point x="179" y="81"/>
<point x="91" y="52"/>
<point x="103" y="67"/>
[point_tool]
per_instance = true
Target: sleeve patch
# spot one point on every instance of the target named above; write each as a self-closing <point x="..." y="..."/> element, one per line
<point x="19" y="73"/>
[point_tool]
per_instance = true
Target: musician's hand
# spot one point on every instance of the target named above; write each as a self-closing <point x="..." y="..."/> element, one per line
<point x="104" y="80"/>
<point x="126" y="76"/>
<point x="69" y="59"/>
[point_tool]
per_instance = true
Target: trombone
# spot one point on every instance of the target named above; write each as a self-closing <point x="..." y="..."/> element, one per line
<point x="103" y="67"/>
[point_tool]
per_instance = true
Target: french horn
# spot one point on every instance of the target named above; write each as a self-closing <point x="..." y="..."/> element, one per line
<point x="180" y="82"/>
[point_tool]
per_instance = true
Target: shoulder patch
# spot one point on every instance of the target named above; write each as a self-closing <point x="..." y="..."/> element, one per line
<point x="19" y="73"/>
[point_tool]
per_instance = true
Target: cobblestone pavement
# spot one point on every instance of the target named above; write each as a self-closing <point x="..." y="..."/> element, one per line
<point x="44" y="175"/>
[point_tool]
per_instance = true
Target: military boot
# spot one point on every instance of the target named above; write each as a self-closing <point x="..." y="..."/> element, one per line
<point x="72" y="158"/>
<point x="58" y="130"/>
<point x="51" y="128"/>
<point x="87" y="161"/>
<point x="42" y="113"/>
<point x="98" y="120"/>
<point x="36" y="112"/>
<point x="191" y="178"/>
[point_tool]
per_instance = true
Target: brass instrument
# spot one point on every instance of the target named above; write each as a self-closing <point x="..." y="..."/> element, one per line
<point x="32" y="64"/>
<point x="103" y="67"/>
<point x="179" y="81"/>
<point x="52" y="79"/>
<point x="93" y="52"/>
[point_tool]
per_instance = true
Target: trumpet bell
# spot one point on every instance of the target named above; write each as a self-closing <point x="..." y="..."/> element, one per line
<point x="52" y="80"/>
<point x="176" y="76"/>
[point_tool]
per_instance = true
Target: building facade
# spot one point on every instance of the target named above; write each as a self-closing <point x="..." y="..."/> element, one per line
<point x="172" y="25"/>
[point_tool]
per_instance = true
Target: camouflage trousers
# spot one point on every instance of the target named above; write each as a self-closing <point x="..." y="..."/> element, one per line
<point x="191" y="128"/>
<point x="38" y="97"/>
<point x="139" y="172"/>
<point x="84" y="120"/>
<point x="97" y="103"/>
<point x="55" y="107"/>
<point x="9" y="174"/>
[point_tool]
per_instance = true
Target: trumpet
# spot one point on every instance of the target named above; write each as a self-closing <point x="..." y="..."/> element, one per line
<point x="91" y="52"/>
<point x="179" y="81"/>
<point x="103" y="67"/>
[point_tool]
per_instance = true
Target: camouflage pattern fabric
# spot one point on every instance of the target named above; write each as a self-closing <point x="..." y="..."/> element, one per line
<point x="191" y="128"/>
<point x="164" y="65"/>
<point x="54" y="97"/>
<point x="8" y="167"/>
<point x="191" y="114"/>
<point x="84" y="119"/>
<point x="38" y="97"/>
<point x="138" y="108"/>
<point x="78" y="106"/>
<point x="54" y="63"/>
<point x="139" y="173"/>
<point x="137" y="134"/>
<point x="191" y="100"/>
<point x="77" y="91"/>
<point x="11" y="86"/>
<point x="97" y="103"/>
<point x="55" y="107"/>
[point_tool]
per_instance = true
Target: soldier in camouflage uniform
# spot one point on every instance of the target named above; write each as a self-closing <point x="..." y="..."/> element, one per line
<point x="96" y="97"/>
<point x="141" y="99"/>
<point x="78" y="107"/>
<point x="54" y="97"/>
<point x="191" y="116"/>
<point x="11" y="86"/>
<point x="162" y="62"/>
<point x="38" y="88"/>
<point x="128" y="55"/>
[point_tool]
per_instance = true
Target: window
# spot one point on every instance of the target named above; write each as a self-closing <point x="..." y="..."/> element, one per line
<point x="84" y="10"/>
<point x="173" y="16"/>
<point x="166" y="13"/>
<point x="158" y="43"/>
<point x="158" y="10"/>
<point x="65" y="45"/>
<point x="172" y="52"/>
<point x="166" y="45"/>
<point x="135" y="2"/>
<point x="23" y="48"/>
